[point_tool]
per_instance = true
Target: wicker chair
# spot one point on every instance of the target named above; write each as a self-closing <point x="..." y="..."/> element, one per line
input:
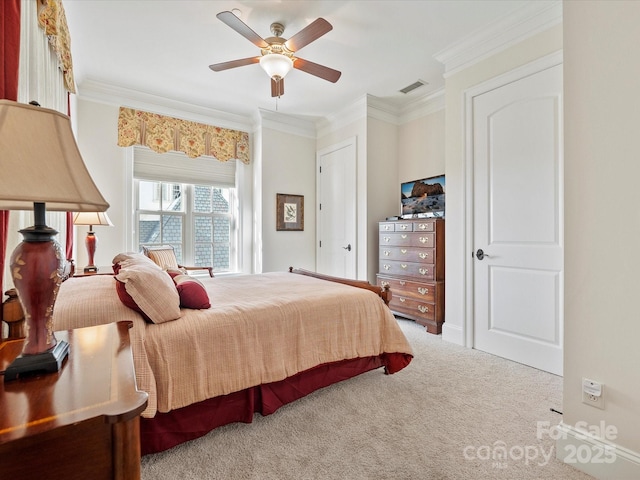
<point x="165" y="257"/>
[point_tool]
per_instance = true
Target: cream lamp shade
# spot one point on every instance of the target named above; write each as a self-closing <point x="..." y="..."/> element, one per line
<point x="41" y="163"/>
<point x="92" y="218"/>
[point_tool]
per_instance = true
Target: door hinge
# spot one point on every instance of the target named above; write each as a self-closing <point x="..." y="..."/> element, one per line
<point x="320" y="243"/>
<point x="320" y="168"/>
<point x="320" y="206"/>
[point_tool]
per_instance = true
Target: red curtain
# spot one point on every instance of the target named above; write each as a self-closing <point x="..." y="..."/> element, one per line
<point x="10" y="49"/>
<point x="69" y="243"/>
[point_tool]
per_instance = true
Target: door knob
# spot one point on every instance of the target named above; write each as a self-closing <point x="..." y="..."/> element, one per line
<point x="347" y="248"/>
<point x="480" y="254"/>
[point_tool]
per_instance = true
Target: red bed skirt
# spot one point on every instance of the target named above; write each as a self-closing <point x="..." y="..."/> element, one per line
<point x="167" y="430"/>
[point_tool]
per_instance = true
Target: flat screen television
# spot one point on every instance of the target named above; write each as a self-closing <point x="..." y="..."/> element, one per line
<point x="423" y="198"/>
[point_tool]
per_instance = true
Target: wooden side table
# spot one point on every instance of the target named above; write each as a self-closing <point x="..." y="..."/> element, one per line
<point x="81" y="422"/>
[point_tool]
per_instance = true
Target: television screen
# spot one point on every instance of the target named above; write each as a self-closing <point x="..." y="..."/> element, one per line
<point x="423" y="198"/>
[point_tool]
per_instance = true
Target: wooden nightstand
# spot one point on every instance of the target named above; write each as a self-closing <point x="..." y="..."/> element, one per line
<point x="81" y="422"/>
<point x="102" y="270"/>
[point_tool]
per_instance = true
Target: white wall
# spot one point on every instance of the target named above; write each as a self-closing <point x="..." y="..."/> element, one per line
<point x="602" y="121"/>
<point x="524" y="52"/>
<point x="287" y="166"/>
<point x="97" y="136"/>
<point x="421" y="148"/>
<point x="383" y="189"/>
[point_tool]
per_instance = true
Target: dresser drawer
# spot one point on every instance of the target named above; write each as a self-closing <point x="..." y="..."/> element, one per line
<point x="404" y="226"/>
<point x="396" y="226"/>
<point x="409" y="269"/>
<point x="415" y="239"/>
<point x="407" y="254"/>
<point x="406" y="288"/>
<point x="412" y="307"/>
<point x="424" y="226"/>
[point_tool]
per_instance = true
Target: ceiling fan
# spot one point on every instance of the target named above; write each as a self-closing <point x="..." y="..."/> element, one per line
<point x="277" y="53"/>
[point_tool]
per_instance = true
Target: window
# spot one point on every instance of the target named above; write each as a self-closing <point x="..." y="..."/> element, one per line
<point x="197" y="220"/>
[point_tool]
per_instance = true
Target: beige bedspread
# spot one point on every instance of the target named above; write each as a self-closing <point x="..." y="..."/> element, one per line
<point x="259" y="329"/>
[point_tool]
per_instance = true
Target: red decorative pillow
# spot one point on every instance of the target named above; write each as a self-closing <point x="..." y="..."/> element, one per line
<point x="192" y="292"/>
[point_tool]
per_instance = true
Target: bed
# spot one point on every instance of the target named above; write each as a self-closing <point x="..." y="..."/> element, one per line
<point x="265" y="340"/>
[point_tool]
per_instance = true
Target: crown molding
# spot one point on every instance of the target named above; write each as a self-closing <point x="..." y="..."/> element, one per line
<point x="505" y="32"/>
<point x="114" y="95"/>
<point x="348" y="115"/>
<point x="423" y="106"/>
<point x="369" y="106"/>
<point x="286" y="123"/>
<point x="382" y="110"/>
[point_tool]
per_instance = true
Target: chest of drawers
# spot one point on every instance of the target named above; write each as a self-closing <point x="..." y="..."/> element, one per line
<point x="411" y="263"/>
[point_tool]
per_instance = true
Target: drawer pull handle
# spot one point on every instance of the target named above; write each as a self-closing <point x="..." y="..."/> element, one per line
<point x="386" y="266"/>
<point x="386" y="239"/>
<point x="423" y="255"/>
<point x="403" y="283"/>
<point x="424" y="239"/>
<point x="403" y="250"/>
<point x="403" y="227"/>
<point x="423" y="291"/>
<point x="387" y="253"/>
<point x="423" y="271"/>
<point x="422" y="226"/>
<point x="423" y="309"/>
<point x="403" y="265"/>
<point x="387" y="227"/>
<point x="403" y="236"/>
<point x="384" y="284"/>
<point x="402" y="299"/>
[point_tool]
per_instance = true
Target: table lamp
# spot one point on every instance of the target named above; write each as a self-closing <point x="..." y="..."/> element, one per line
<point x="91" y="219"/>
<point x="40" y="164"/>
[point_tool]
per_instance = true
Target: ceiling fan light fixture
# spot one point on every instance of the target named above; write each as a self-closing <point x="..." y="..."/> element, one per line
<point x="276" y="65"/>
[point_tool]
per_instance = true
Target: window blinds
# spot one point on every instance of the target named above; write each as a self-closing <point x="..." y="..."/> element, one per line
<point x="177" y="167"/>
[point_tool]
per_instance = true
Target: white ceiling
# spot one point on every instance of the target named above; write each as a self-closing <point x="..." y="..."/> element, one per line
<point x="164" y="48"/>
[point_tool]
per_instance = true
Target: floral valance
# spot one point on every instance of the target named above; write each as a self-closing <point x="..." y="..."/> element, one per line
<point x="53" y="21"/>
<point x="162" y="134"/>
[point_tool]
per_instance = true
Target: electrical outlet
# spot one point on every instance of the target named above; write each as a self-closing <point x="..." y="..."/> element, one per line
<point x="593" y="393"/>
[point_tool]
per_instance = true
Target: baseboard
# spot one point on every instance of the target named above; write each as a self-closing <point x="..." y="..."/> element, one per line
<point x="595" y="456"/>
<point x="452" y="334"/>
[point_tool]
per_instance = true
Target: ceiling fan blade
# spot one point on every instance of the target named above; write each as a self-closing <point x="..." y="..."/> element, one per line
<point x="218" y="67"/>
<point x="308" y="34"/>
<point x="277" y="88"/>
<point x="321" y="71"/>
<point x="242" y="28"/>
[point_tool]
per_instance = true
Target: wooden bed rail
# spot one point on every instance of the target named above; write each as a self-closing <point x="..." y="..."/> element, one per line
<point x="382" y="292"/>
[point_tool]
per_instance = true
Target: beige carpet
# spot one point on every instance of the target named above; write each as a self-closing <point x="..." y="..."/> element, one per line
<point x="446" y="416"/>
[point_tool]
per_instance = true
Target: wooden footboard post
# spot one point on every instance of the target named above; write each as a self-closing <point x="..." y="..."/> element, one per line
<point x="383" y="292"/>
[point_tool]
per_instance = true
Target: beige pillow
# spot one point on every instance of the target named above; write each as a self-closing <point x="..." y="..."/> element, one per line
<point x="133" y="259"/>
<point x="151" y="288"/>
<point x="165" y="258"/>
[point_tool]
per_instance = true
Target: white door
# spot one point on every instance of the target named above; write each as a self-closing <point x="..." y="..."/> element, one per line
<point x="336" y="253"/>
<point x="518" y="222"/>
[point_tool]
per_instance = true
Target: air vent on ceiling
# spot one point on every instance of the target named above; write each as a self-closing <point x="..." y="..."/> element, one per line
<point x="413" y="86"/>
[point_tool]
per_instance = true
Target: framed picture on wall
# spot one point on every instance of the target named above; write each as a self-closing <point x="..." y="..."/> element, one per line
<point x="289" y="212"/>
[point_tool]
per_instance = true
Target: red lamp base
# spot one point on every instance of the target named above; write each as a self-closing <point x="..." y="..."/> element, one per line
<point x="36" y="267"/>
<point x="90" y="242"/>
